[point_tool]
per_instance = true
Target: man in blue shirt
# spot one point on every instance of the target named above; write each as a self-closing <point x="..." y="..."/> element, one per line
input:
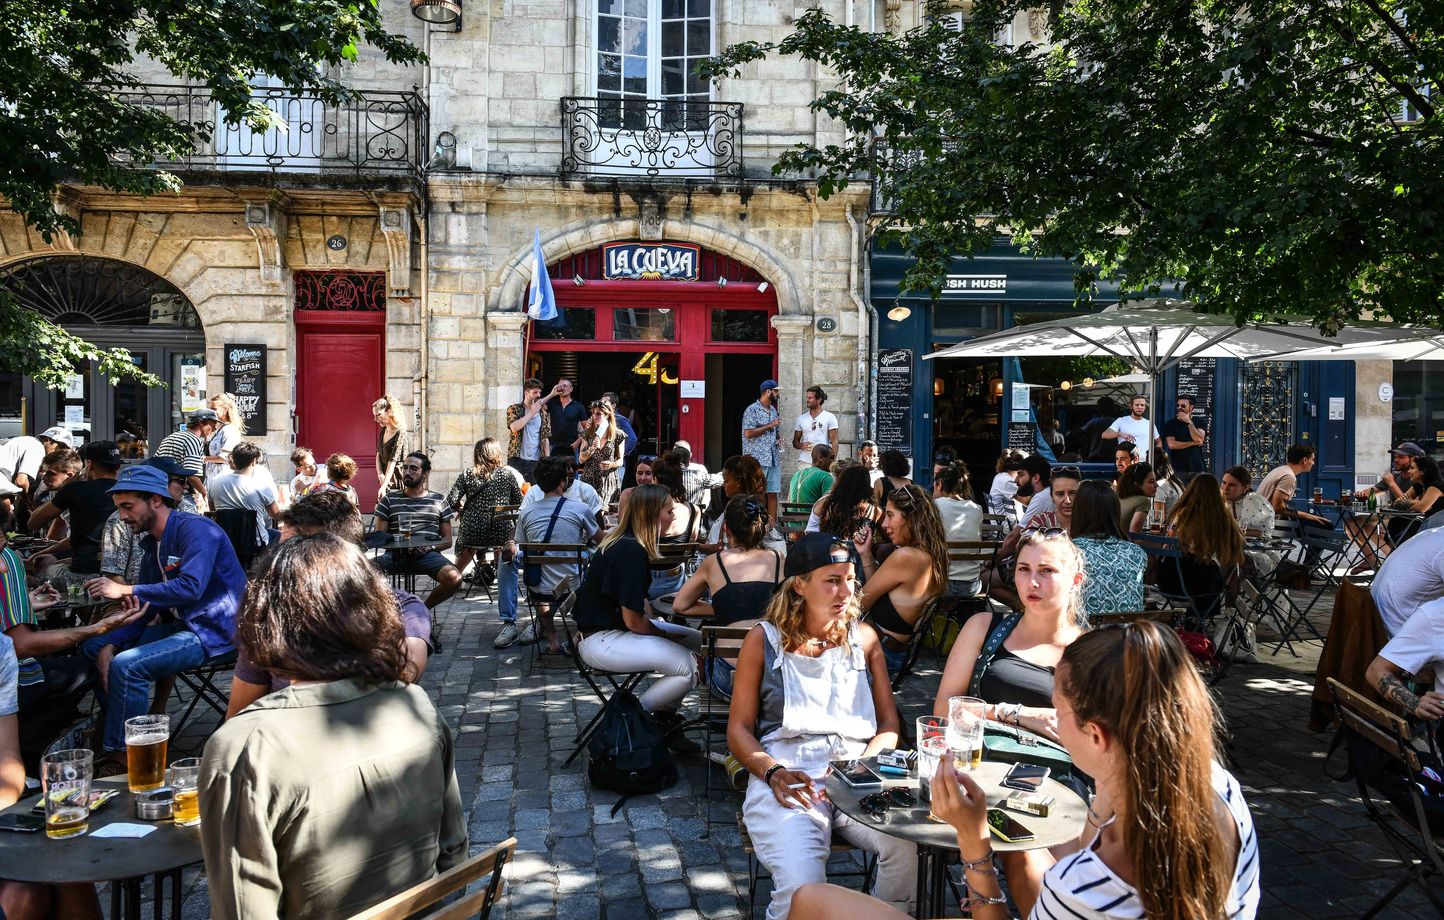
<point x="188" y="568"/>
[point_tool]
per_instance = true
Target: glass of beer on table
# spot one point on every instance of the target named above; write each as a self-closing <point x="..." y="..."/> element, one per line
<point x="65" y="778"/>
<point x="147" y="740"/>
<point x="966" y="716"/>
<point x="185" y="777"/>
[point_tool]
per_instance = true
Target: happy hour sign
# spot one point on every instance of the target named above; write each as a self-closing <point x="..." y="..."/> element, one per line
<point x="246" y="380"/>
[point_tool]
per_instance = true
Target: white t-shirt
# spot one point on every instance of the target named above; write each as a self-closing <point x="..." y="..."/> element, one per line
<point x="1143" y="432"/>
<point x="9" y="678"/>
<point x="221" y="444"/>
<point x="814" y="431"/>
<point x="962" y="520"/>
<point x="1411" y="576"/>
<point x="21" y="456"/>
<point x="252" y="491"/>
<point x="577" y="491"/>
<point x="1001" y="493"/>
<point x="1419" y="642"/>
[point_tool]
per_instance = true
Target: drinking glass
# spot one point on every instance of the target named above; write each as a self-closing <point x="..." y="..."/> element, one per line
<point x="184" y="778"/>
<point x="966" y="716"/>
<point x="1318" y="495"/>
<point x="147" y="740"/>
<point x="65" y="777"/>
<point x="932" y="748"/>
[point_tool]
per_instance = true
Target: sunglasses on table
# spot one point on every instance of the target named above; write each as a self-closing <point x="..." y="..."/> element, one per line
<point x="876" y="804"/>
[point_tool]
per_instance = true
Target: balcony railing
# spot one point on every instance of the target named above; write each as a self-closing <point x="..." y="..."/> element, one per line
<point x="652" y="138"/>
<point x="898" y="161"/>
<point x="379" y="134"/>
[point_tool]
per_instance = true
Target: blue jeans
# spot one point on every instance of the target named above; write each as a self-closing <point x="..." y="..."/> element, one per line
<point x="506" y="588"/>
<point x="162" y="651"/>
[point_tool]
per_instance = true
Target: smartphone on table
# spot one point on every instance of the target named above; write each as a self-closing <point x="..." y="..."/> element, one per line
<point x="1007" y="828"/>
<point x="1025" y="777"/>
<point x="21" y="824"/>
<point x="856" y="774"/>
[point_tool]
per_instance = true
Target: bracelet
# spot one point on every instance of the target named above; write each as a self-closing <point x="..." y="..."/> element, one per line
<point x="1007" y="712"/>
<point x="984" y="865"/>
<point x="974" y="899"/>
<point x="767" y="777"/>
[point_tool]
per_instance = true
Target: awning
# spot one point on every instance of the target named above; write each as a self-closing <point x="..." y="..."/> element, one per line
<point x="1003" y="273"/>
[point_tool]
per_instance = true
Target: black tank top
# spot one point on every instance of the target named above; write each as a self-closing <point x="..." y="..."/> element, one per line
<point x="687" y="536"/>
<point x="743" y="600"/>
<point x="885" y="616"/>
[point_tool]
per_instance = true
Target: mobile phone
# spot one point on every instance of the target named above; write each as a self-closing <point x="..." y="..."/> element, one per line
<point x="22" y="824"/>
<point x="1006" y="828"/>
<point x="856" y="774"/>
<point x="1026" y="777"/>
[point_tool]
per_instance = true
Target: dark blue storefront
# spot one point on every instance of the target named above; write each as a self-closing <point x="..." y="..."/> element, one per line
<point x="1252" y="413"/>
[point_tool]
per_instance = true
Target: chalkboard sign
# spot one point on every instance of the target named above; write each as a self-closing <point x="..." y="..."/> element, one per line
<point x="246" y="380"/>
<point x="895" y="400"/>
<point x="1022" y="436"/>
<point x="1195" y="379"/>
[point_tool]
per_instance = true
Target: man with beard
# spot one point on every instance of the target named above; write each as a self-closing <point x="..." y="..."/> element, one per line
<point x="1033" y="478"/>
<point x="188" y="568"/>
<point x="428" y="516"/>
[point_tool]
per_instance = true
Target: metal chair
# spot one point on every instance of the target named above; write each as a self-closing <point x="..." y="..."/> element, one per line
<point x="618" y="681"/>
<point x="724" y="644"/>
<point x="414" y="900"/>
<point x="500" y="514"/>
<point x="201" y="681"/>
<point x="996" y="527"/>
<point x="915" y="643"/>
<point x="572" y="555"/>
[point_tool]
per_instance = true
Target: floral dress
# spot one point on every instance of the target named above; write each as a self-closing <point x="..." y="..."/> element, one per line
<point x="606" y="482"/>
<point x="476" y="495"/>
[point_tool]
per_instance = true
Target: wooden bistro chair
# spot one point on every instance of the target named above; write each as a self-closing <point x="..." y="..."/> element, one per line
<point x="500" y="514"/>
<point x="416" y="899"/>
<point x="572" y="555"/>
<point x="719" y="643"/>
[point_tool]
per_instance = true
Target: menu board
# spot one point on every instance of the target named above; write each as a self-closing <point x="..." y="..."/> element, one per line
<point x="1195" y="379"/>
<point x="246" y="380"/>
<point x="1022" y="436"/>
<point x="895" y="400"/>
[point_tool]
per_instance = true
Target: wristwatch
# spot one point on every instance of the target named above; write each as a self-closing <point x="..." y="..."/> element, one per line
<point x="767" y="777"/>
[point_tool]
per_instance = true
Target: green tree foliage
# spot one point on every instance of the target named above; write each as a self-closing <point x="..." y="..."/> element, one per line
<point x="64" y="77"/>
<point x="1269" y="156"/>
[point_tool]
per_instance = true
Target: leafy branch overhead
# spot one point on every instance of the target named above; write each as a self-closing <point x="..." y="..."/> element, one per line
<point x="65" y="72"/>
<point x="1270" y="157"/>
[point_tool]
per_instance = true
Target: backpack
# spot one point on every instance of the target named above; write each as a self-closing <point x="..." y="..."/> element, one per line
<point x="628" y="754"/>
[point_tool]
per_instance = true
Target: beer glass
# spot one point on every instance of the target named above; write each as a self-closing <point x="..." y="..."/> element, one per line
<point x="65" y="777"/>
<point x="966" y="716"/>
<point x="932" y="748"/>
<point x="147" y="739"/>
<point x="185" y="776"/>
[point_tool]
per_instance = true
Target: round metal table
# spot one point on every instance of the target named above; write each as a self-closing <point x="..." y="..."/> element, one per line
<point x="124" y="861"/>
<point x="937" y="841"/>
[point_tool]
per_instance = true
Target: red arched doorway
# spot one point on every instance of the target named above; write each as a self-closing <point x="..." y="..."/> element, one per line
<point x="681" y="333"/>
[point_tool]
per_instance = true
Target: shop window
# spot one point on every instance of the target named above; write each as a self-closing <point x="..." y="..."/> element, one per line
<point x="569" y="323"/>
<point x="81" y="291"/>
<point x="739" y="325"/>
<point x="11" y="405"/>
<point x="644" y="325"/>
<point x="965" y="320"/>
<point x="1418" y="406"/>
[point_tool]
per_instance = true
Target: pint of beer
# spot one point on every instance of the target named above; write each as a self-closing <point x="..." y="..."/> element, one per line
<point x="66" y="776"/>
<point x="185" y="777"/>
<point x="147" y="741"/>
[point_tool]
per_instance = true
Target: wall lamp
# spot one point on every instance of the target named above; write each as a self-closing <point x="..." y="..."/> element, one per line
<point x="438" y="12"/>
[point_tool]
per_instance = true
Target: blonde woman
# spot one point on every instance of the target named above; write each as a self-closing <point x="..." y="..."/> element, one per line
<point x="232" y="429"/>
<point x="836" y="705"/>
<point x="599" y="452"/>
<point x="474" y="495"/>
<point x="391" y="443"/>
<point x="611" y="613"/>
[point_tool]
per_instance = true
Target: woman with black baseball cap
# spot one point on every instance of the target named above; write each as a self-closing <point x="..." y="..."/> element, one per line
<point x="811" y="687"/>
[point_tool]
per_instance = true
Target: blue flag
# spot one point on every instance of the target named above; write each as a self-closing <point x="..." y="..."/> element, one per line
<point x="541" y="302"/>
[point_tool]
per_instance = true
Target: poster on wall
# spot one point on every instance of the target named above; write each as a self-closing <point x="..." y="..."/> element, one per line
<point x="245" y="377"/>
<point x="193" y="387"/>
<point x="895" y="400"/>
<point x="75" y="386"/>
<point x="1195" y="380"/>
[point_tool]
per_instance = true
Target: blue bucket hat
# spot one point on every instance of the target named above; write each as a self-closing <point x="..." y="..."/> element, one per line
<point x="142" y="477"/>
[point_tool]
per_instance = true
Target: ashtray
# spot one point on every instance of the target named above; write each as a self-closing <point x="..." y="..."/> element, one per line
<point x="155" y="805"/>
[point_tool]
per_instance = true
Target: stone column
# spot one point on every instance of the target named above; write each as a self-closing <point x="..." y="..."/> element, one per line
<point x="506" y="360"/>
<point x="793" y="348"/>
<point x="1373" y="419"/>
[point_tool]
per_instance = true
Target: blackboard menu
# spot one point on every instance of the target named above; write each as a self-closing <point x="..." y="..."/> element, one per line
<point x="1022" y="436"/>
<point x="1195" y="379"/>
<point x="895" y="400"/>
<point x="246" y="380"/>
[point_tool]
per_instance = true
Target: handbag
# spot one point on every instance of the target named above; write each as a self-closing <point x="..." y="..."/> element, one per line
<point x="532" y="571"/>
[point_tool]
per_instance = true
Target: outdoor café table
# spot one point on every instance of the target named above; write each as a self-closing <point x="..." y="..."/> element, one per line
<point x="406" y="581"/>
<point x="936" y="841"/>
<point x="125" y="861"/>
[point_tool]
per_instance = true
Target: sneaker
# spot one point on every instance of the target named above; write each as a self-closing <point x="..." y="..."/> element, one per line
<point x="528" y="635"/>
<point x="506" y="637"/>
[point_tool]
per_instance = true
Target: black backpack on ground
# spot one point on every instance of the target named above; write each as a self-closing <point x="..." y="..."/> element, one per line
<point x="628" y="754"/>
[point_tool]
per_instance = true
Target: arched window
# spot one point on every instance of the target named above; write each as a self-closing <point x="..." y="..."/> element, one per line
<point x="93" y="291"/>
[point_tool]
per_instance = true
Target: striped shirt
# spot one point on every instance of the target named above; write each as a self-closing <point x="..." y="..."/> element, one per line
<point x="423" y="515"/>
<point x="184" y="448"/>
<point x="1081" y="887"/>
<point x="15" y="610"/>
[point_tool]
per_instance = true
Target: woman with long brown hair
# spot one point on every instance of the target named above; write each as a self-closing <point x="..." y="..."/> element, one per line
<point x="599" y="449"/>
<point x="848" y="508"/>
<point x="1203" y="524"/>
<point x="475" y="495"/>
<point x="900" y="588"/>
<point x="1169" y="836"/>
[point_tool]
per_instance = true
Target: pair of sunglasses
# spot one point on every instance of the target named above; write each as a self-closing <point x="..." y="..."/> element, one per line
<point x="875" y="805"/>
<point x="1067" y="472"/>
<point x="1043" y="531"/>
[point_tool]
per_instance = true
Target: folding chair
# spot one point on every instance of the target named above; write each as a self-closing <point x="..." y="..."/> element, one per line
<point x="719" y="643"/>
<point x="1324" y="551"/>
<point x="417" y="898"/>
<point x="500" y="514"/>
<point x="1401" y="817"/>
<point x="201" y="681"/>
<point x="573" y="555"/>
<point x="915" y="643"/>
<point x="996" y="527"/>
<point x="595" y="677"/>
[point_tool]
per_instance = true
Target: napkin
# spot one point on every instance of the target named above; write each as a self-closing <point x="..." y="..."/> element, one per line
<point x="122" y="829"/>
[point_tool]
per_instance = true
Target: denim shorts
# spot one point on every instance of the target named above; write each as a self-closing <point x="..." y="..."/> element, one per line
<point x="774" y="478"/>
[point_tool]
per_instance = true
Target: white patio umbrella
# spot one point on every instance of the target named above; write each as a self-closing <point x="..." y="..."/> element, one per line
<point x="1408" y="344"/>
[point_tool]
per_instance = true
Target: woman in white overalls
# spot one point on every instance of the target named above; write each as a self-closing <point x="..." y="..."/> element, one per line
<point x="812" y="686"/>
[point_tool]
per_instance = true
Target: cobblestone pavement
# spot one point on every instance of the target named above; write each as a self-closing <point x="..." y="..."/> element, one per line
<point x="515" y="717"/>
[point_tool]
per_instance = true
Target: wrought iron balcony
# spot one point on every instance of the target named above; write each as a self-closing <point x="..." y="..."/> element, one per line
<point x="651" y="138"/>
<point x="378" y="134"/>
<point x="898" y="161"/>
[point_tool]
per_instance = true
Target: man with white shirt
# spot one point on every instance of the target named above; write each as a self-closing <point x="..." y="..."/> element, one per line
<point x="1411" y="576"/>
<point x="1135" y="429"/>
<point x="1418" y="646"/>
<point x="815" y="426"/>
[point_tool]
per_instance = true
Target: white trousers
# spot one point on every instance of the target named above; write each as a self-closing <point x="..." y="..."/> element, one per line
<point x="624" y="650"/>
<point x="794" y="844"/>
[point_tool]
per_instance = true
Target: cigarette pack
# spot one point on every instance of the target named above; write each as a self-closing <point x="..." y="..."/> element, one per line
<point x="1029" y="803"/>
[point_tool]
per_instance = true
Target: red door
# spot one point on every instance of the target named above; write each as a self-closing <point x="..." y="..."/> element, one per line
<point x="341" y="372"/>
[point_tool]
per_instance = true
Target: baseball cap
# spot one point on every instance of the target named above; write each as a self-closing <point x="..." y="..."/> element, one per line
<point x="106" y="453"/>
<point x="1408" y="449"/>
<point x="171" y="468"/>
<point x="58" y="434"/>
<point x="142" y="477"/>
<point x="204" y="415"/>
<point x="768" y="384"/>
<point x="813" y="551"/>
